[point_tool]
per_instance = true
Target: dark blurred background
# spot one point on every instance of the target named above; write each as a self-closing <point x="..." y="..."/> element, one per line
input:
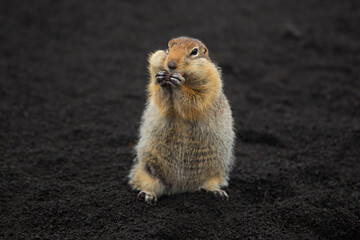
<point x="73" y="87"/>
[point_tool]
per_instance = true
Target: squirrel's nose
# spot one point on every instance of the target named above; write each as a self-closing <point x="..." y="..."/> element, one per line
<point x="172" y="65"/>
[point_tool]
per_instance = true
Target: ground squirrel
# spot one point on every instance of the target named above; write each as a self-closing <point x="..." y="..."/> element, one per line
<point x="186" y="135"/>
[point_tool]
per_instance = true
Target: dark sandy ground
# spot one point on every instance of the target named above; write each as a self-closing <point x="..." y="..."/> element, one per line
<point x="72" y="90"/>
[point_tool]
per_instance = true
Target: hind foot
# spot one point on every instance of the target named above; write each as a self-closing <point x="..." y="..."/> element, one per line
<point x="214" y="185"/>
<point x="221" y="194"/>
<point x="149" y="197"/>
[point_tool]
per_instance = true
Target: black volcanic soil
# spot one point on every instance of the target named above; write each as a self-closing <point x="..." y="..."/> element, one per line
<point x="72" y="90"/>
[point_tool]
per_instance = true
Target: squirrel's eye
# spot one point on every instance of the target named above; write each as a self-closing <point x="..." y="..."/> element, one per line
<point x="194" y="51"/>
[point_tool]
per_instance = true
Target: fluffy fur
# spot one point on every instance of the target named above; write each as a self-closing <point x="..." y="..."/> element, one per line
<point x="186" y="134"/>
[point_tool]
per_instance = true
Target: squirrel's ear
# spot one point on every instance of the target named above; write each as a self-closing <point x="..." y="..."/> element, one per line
<point x="206" y="52"/>
<point x="170" y="43"/>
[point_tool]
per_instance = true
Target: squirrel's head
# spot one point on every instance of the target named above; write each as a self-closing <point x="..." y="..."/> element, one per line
<point x="183" y="51"/>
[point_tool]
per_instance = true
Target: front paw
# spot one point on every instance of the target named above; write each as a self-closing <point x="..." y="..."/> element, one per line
<point x="162" y="77"/>
<point x="166" y="79"/>
<point x="149" y="197"/>
<point x="176" y="79"/>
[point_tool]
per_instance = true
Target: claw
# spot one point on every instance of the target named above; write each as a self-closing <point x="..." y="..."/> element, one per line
<point x="176" y="79"/>
<point x="165" y="79"/>
<point x="162" y="73"/>
<point x="161" y="77"/>
<point x="178" y="76"/>
<point x="149" y="197"/>
<point x="221" y="194"/>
